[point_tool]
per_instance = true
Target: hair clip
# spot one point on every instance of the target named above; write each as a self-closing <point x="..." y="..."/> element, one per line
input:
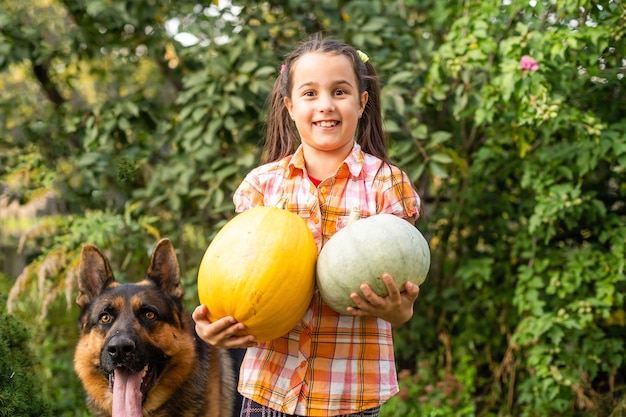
<point x="363" y="56"/>
<point x="283" y="68"/>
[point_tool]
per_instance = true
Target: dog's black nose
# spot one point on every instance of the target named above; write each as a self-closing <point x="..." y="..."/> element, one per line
<point x="120" y="347"/>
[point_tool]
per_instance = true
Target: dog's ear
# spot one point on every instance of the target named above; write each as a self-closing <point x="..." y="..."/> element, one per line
<point x="95" y="274"/>
<point x="164" y="270"/>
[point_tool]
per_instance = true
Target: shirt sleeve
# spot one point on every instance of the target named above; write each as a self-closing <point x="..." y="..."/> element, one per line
<point x="249" y="193"/>
<point x="398" y="195"/>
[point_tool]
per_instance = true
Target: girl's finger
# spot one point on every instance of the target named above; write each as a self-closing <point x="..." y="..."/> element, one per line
<point x="392" y="288"/>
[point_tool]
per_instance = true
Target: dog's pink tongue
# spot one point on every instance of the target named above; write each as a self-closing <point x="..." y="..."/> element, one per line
<point x="127" y="394"/>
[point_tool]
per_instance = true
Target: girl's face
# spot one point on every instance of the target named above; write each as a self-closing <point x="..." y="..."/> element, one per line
<point x="325" y="102"/>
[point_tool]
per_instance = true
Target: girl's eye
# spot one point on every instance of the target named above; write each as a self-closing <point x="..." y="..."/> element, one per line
<point x="340" y="92"/>
<point x="105" y="318"/>
<point x="308" y="94"/>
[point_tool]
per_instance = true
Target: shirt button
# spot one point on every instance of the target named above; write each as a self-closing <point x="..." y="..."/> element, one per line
<point x="316" y="220"/>
<point x="302" y="364"/>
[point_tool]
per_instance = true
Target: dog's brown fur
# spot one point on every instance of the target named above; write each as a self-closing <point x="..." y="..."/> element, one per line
<point x="130" y="326"/>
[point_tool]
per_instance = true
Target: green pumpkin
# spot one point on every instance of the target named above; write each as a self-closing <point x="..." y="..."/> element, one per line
<point x="363" y="251"/>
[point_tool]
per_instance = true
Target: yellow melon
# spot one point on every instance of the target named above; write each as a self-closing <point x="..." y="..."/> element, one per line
<point x="260" y="269"/>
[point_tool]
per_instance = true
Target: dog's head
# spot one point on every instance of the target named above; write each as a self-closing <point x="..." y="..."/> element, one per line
<point x="131" y="334"/>
<point x="96" y="275"/>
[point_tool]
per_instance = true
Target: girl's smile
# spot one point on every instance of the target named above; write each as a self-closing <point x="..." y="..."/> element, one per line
<point x="324" y="123"/>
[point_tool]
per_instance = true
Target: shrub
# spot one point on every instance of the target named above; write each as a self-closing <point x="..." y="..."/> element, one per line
<point x="20" y="392"/>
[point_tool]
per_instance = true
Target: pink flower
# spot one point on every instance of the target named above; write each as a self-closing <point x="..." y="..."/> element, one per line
<point x="529" y="64"/>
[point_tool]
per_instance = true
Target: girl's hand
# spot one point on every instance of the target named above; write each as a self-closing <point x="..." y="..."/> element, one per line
<point x="222" y="333"/>
<point x="396" y="307"/>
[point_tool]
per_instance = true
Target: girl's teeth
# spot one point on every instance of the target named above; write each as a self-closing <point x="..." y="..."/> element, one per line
<point x="327" y="124"/>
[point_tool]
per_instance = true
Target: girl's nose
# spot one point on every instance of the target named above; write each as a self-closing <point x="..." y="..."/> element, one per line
<point x="325" y="103"/>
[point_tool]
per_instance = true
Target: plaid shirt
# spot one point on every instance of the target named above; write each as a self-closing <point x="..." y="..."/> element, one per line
<point x="330" y="363"/>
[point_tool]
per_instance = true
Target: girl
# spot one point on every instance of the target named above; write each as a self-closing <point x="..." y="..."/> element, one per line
<point x="330" y="364"/>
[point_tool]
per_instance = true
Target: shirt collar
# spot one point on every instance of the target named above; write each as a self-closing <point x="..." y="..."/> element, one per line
<point x="354" y="161"/>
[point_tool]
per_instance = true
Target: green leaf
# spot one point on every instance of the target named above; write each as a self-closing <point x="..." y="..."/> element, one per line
<point x="420" y="132"/>
<point x="441" y="158"/>
<point x="437" y="138"/>
<point x="265" y="71"/>
<point x="437" y="170"/>
<point x="237" y="102"/>
<point x="247" y="67"/>
<point x="401" y="77"/>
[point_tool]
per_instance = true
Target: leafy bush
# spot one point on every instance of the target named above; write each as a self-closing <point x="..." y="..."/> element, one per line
<point x="20" y="392"/>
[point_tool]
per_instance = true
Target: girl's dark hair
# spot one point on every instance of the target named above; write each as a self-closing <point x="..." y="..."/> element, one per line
<point x="282" y="138"/>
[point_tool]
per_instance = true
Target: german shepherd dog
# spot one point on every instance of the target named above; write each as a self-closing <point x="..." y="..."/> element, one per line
<point x="138" y="354"/>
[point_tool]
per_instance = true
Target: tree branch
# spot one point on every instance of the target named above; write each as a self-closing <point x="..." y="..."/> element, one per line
<point x="49" y="89"/>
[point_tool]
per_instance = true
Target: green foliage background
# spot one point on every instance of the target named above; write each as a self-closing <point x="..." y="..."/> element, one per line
<point x="19" y="388"/>
<point x="137" y="136"/>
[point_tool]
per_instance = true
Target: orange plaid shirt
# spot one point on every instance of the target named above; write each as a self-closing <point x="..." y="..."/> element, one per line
<point x="330" y="363"/>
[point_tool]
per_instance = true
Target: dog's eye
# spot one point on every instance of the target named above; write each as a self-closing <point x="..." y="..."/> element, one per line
<point x="105" y="318"/>
<point x="150" y="315"/>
